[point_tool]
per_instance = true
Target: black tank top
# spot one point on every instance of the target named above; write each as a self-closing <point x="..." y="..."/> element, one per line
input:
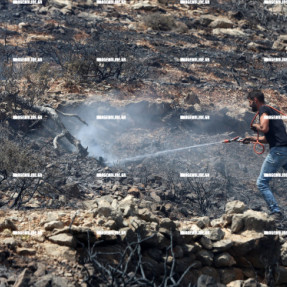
<point x="277" y="135"/>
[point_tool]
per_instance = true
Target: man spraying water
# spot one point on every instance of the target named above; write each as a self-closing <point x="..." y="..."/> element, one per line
<point x="275" y="135"/>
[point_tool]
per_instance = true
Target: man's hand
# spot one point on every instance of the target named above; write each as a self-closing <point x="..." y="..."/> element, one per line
<point x="246" y="140"/>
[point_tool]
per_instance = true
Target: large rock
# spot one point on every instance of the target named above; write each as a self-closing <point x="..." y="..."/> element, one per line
<point x="59" y="3"/>
<point x="206" y="281"/>
<point x="206" y="242"/>
<point x="228" y="275"/>
<point x="144" y="6"/>
<point x="104" y="208"/>
<point x="155" y="196"/>
<point x="79" y="232"/>
<point x="53" y="224"/>
<point x="259" y="221"/>
<point x="145" y="214"/>
<point x="245" y="242"/>
<point x="221" y="22"/>
<point x="235" y="206"/>
<point x="218" y="222"/>
<point x="237" y="223"/>
<point x="251" y="220"/>
<point x="50" y="216"/>
<point x="107" y="198"/>
<point x="224" y="260"/>
<point x="230" y="32"/>
<point x="222" y="245"/>
<point x="63" y="239"/>
<point x="206" y="257"/>
<point x="167" y="224"/>
<point x="202" y="222"/>
<point x="205" y="20"/>
<point x="215" y="234"/>
<point x="191" y="232"/>
<point x="127" y="201"/>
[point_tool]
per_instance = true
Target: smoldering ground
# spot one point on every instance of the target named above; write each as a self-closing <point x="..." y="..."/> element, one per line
<point x="152" y="129"/>
<point x="151" y="132"/>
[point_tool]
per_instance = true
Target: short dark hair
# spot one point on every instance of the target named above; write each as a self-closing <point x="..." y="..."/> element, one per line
<point x="256" y="94"/>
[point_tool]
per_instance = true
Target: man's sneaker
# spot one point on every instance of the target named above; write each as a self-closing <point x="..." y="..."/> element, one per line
<point x="278" y="217"/>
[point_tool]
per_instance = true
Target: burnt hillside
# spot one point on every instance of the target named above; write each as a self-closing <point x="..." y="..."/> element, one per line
<point x="121" y="117"/>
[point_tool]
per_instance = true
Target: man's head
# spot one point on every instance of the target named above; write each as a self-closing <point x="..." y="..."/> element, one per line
<point x="256" y="100"/>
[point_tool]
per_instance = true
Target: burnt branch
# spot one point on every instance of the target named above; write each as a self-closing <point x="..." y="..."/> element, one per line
<point x="130" y="269"/>
<point x="52" y="113"/>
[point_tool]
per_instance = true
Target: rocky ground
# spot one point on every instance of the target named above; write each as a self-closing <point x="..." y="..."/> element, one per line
<point x="68" y="248"/>
<point x="69" y="205"/>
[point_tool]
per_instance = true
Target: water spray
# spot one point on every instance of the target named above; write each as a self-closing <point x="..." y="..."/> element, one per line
<point x="164" y="152"/>
<point x="134" y="158"/>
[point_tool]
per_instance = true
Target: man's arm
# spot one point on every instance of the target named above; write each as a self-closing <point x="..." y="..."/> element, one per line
<point x="262" y="139"/>
<point x="264" y="124"/>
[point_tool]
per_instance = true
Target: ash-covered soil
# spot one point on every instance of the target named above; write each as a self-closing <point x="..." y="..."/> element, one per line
<point x="152" y="89"/>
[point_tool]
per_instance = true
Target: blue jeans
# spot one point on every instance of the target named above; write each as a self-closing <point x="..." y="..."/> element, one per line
<point x="276" y="158"/>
